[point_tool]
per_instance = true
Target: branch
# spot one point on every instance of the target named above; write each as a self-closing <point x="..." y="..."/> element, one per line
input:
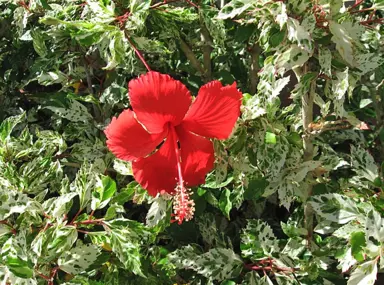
<point x="91" y="222"/>
<point x="307" y="117"/>
<point x="255" y="67"/>
<point x="157" y="5"/>
<point x="88" y="75"/>
<point x="139" y="55"/>
<point x="75" y="217"/>
<point x="357" y="3"/>
<point x="363" y="10"/>
<point x="46" y="278"/>
<point x="207" y="49"/>
<point x="269" y="265"/>
<point x="378" y="106"/>
<point x="192" y="58"/>
<point x="13" y="230"/>
<point x="373" y="21"/>
<point x="96" y="111"/>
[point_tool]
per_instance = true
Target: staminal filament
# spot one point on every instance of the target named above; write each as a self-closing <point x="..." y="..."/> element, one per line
<point x="183" y="206"/>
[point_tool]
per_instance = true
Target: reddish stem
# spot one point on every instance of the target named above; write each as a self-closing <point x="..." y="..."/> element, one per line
<point x="75" y="217"/>
<point x="122" y="19"/>
<point x="371" y="15"/>
<point x="261" y="266"/>
<point x="157" y="5"/>
<point x="53" y="272"/>
<point x="47" y="225"/>
<point x="44" y="276"/>
<point x="139" y="54"/>
<point x="47" y="216"/>
<point x="91" y="222"/>
<point x="192" y="4"/>
<point x="362" y="10"/>
<point x="165" y="2"/>
<point x="380" y="20"/>
<point x="357" y="3"/>
<point x="13" y="230"/>
<point x="25" y="6"/>
<point x="91" y="214"/>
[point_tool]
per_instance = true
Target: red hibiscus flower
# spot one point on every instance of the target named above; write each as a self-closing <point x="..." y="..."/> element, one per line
<point x="166" y="137"/>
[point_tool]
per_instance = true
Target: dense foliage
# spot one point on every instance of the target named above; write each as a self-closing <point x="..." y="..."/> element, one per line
<point x="296" y="193"/>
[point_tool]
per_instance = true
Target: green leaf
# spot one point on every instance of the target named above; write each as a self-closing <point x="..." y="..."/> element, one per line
<point x="364" y="164"/>
<point x="211" y="182"/>
<point x="19" y="267"/>
<point x="357" y="242"/>
<point x="288" y="184"/>
<point x="256" y="187"/>
<point x="221" y="163"/>
<point x="270" y="138"/>
<point x="346" y="260"/>
<point x="105" y="188"/>
<point x="53" y="77"/>
<point x="208" y="228"/>
<point x="76" y="112"/>
<point x="12" y="202"/>
<point x="123" y="167"/>
<point x="215" y="26"/>
<point x="279" y="85"/>
<point x="364" y="103"/>
<point x="374" y="234"/>
<point x="234" y="8"/>
<point x="251" y="278"/>
<point x="52" y="243"/>
<point x="60" y="206"/>
<point x="339" y="88"/>
<point x="157" y="213"/>
<point x="113" y="211"/>
<point x="113" y="94"/>
<point x="225" y="203"/>
<point x="299" y="35"/>
<point x="16" y="256"/>
<point x="139" y="10"/>
<point x="335" y="6"/>
<point x="79" y="258"/>
<point x="39" y="43"/>
<point x="218" y="263"/>
<point x="343" y="41"/>
<point x="62" y="239"/>
<point x="364" y="274"/>
<point x="84" y="183"/>
<point x="374" y="226"/>
<point x="228" y="282"/>
<point x="126" y="237"/>
<point x="258" y="240"/>
<point x="292" y="57"/>
<point x="335" y="208"/>
<point x="325" y="60"/>
<point x="7" y="126"/>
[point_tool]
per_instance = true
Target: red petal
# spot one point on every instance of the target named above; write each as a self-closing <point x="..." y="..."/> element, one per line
<point x="128" y="140"/>
<point x="158" y="99"/>
<point x="158" y="172"/>
<point x="197" y="157"/>
<point x="215" y="110"/>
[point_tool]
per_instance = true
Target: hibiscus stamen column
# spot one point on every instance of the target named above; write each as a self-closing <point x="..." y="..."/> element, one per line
<point x="183" y="206"/>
